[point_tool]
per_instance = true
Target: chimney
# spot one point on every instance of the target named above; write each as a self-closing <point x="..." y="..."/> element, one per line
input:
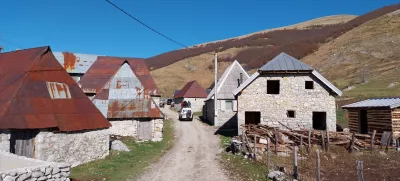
<point x="241" y="78"/>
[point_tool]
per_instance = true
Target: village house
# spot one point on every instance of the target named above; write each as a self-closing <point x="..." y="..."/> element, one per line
<point x="287" y="93"/>
<point x="230" y="80"/>
<point x="375" y="114"/>
<point x="126" y="103"/>
<point x="93" y="71"/>
<point x="44" y="114"/>
<point x="192" y="92"/>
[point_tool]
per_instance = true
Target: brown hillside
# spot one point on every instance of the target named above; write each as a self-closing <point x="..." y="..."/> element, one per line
<point x="366" y="58"/>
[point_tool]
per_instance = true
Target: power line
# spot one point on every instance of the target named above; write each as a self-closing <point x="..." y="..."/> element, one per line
<point x="144" y="24"/>
<point x="2" y="39"/>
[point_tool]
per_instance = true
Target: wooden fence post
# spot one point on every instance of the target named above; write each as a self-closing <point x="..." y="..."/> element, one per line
<point x="352" y="143"/>
<point x="372" y="140"/>
<point x="301" y="142"/>
<point x="276" y="140"/>
<point x="295" y="168"/>
<point x="309" y="141"/>
<point x="360" y="173"/>
<point x="318" y="167"/>
<point x="323" y="140"/>
<point x="268" y="153"/>
<point x="254" y="147"/>
<point x="327" y="142"/>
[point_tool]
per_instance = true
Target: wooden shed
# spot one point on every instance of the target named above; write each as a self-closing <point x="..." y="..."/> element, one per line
<point x="375" y="114"/>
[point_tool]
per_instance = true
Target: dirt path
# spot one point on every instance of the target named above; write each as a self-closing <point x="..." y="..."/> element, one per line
<point x="193" y="157"/>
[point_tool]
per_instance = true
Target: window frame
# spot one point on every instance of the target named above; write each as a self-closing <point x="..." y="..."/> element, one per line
<point x="231" y="108"/>
<point x="288" y="113"/>
<point x="307" y="87"/>
<point x="271" y="90"/>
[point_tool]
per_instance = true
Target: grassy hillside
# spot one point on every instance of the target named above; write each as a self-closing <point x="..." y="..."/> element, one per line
<point x="365" y="60"/>
<point x="173" y="69"/>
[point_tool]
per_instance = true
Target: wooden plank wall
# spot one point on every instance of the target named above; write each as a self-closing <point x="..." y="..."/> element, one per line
<point x="378" y="119"/>
<point x="396" y="122"/>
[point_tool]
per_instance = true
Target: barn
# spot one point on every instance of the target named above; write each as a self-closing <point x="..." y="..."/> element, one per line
<point x="44" y="113"/>
<point x="129" y="106"/>
<point x="375" y="114"/>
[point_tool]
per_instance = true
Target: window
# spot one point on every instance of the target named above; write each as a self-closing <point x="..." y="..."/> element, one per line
<point x="228" y="105"/>
<point x="291" y="114"/>
<point x="309" y="84"/>
<point x="272" y="86"/>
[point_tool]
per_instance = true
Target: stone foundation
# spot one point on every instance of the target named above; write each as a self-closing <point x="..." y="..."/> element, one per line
<point x="74" y="148"/>
<point x="40" y="171"/>
<point x="124" y="128"/>
<point x="4" y="140"/>
<point x="158" y="129"/>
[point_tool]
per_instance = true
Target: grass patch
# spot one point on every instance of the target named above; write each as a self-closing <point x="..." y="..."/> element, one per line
<point x="341" y="118"/>
<point x="239" y="167"/>
<point x="126" y="165"/>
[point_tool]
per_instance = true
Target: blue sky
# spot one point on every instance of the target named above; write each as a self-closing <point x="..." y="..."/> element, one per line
<point x="95" y="27"/>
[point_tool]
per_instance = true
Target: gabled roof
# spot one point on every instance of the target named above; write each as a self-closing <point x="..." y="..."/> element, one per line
<point x="36" y="92"/>
<point x="105" y="67"/>
<point x="124" y="97"/>
<point x="176" y="92"/>
<point x="75" y="62"/>
<point x="383" y="102"/>
<point x="284" y="57"/>
<point x="285" y="62"/>
<point x="191" y="90"/>
<point x="228" y="81"/>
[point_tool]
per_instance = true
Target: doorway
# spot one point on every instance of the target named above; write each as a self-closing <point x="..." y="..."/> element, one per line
<point x="145" y="129"/>
<point x="362" y="122"/>
<point x="319" y="120"/>
<point x="22" y="142"/>
<point x="252" y="117"/>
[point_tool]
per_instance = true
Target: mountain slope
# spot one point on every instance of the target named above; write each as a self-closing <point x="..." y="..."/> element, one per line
<point x="366" y="59"/>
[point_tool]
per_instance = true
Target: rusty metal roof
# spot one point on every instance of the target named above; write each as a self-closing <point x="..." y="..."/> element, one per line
<point x="75" y="62"/>
<point x="105" y="67"/>
<point x="124" y="97"/>
<point x="192" y="90"/>
<point x="36" y="92"/>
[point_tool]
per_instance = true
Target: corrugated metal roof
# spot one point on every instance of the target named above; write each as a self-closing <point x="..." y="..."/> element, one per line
<point x="384" y="102"/>
<point x="192" y="90"/>
<point x="36" y="92"/>
<point x="75" y="62"/>
<point x="105" y="67"/>
<point x="228" y="81"/>
<point x="284" y="62"/>
<point x="124" y="97"/>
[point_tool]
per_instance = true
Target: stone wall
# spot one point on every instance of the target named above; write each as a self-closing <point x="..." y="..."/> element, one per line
<point x="124" y="128"/>
<point x="4" y="140"/>
<point x="224" y="115"/>
<point x="42" y="171"/>
<point x="158" y="129"/>
<point x="197" y="103"/>
<point x="292" y="96"/>
<point x="74" y="148"/>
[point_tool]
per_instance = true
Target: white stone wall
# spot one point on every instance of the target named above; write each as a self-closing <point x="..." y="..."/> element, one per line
<point x="124" y="128"/>
<point x="197" y="103"/>
<point x="42" y="171"/>
<point x="224" y="115"/>
<point x="74" y="148"/>
<point x="5" y="140"/>
<point x="292" y="96"/>
<point x="158" y="129"/>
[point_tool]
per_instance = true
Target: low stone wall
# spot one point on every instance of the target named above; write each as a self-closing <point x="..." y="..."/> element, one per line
<point x="158" y="128"/>
<point x="124" y="128"/>
<point x="42" y="171"/>
<point x="5" y="140"/>
<point x="74" y="148"/>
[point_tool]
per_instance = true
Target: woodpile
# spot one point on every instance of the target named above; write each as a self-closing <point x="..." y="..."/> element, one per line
<point x="261" y="137"/>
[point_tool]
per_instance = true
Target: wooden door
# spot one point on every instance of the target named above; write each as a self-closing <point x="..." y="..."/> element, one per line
<point x="363" y="122"/>
<point x="22" y="142"/>
<point x="145" y="131"/>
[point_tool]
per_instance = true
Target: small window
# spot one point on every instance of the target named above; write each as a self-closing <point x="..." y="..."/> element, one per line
<point x="272" y="86"/>
<point x="309" y="84"/>
<point x="291" y="114"/>
<point x="228" y="105"/>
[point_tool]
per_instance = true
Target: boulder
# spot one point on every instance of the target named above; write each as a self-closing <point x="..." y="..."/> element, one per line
<point x="119" y="146"/>
<point x="276" y="175"/>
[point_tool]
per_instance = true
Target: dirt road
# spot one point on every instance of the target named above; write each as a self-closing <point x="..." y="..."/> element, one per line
<point x="193" y="157"/>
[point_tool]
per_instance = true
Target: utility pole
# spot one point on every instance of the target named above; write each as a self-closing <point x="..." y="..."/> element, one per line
<point x="215" y="90"/>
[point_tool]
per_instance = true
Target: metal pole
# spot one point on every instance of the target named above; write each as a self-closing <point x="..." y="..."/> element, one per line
<point x="215" y="90"/>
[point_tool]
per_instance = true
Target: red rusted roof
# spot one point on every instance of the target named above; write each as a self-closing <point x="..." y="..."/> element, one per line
<point x="192" y="90"/>
<point x="124" y="97"/>
<point x="105" y="67"/>
<point x="36" y="92"/>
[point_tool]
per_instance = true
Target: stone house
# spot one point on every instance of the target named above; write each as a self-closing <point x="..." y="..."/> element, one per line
<point x="192" y="92"/>
<point x="287" y="93"/>
<point x="45" y="115"/>
<point x="93" y="71"/>
<point x="129" y="107"/>
<point x="231" y="79"/>
<point x="375" y="114"/>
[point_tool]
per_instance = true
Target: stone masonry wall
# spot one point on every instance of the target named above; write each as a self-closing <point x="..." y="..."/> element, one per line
<point x="46" y="171"/>
<point x="292" y="96"/>
<point x="223" y="115"/>
<point x="158" y="129"/>
<point x="124" y="128"/>
<point x="4" y="140"/>
<point x="74" y="148"/>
